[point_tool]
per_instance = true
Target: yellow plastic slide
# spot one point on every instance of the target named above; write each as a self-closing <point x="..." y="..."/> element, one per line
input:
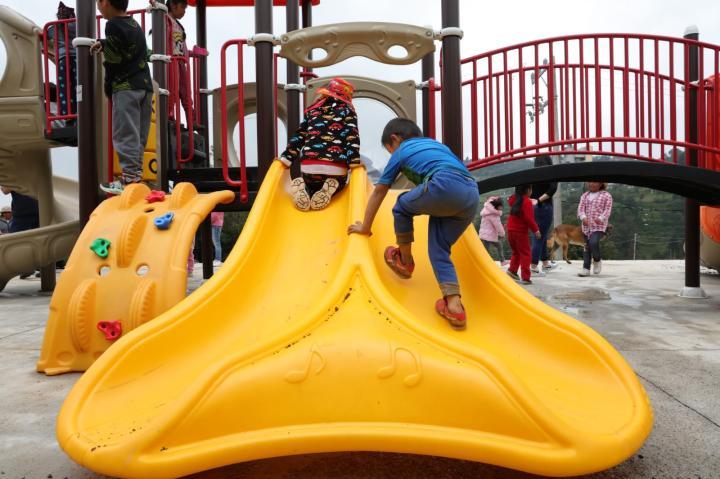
<point x="305" y="342"/>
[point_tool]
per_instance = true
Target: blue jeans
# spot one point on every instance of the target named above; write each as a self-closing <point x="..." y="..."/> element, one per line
<point x="451" y="199"/>
<point x="216" y="231"/>
<point x="592" y="248"/>
<point x="544" y="219"/>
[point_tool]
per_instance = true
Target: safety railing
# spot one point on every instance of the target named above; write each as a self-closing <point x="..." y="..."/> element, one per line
<point x="242" y="183"/>
<point x="609" y="94"/>
<point x="180" y="67"/>
<point x="433" y="88"/>
<point x="57" y="35"/>
<point x="60" y="33"/>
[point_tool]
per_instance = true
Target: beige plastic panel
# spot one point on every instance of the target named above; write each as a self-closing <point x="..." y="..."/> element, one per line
<point x="28" y="171"/>
<point x="22" y="42"/>
<point x="250" y="92"/>
<point x="399" y="97"/>
<point x="366" y="39"/>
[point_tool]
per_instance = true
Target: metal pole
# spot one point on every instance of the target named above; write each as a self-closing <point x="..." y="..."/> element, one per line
<point x="634" y="245"/>
<point x="293" y="73"/>
<point x="87" y="151"/>
<point x="201" y="24"/>
<point x="451" y="94"/>
<point x="265" y="86"/>
<point x="557" y="198"/>
<point x="206" y="247"/>
<point x="307" y="22"/>
<point x="428" y="71"/>
<point x="692" y="287"/>
<point x="160" y="76"/>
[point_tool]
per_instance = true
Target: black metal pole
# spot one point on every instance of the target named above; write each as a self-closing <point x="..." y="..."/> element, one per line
<point x="265" y="86"/>
<point x="201" y="24"/>
<point x="692" y="207"/>
<point x="428" y="71"/>
<point x="160" y="76"/>
<point x="307" y="21"/>
<point x="206" y="247"/>
<point x="87" y="127"/>
<point x="293" y="73"/>
<point x="451" y="95"/>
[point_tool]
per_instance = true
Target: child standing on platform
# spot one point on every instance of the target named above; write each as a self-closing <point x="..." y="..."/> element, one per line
<point x="446" y="191"/>
<point x="491" y="228"/>
<point x="128" y="83"/>
<point x="520" y="220"/>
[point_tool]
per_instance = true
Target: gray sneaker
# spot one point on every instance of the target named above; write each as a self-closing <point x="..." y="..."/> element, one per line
<point x="584" y="273"/>
<point x="597" y="267"/>
<point x="513" y="275"/>
<point x="113" y="188"/>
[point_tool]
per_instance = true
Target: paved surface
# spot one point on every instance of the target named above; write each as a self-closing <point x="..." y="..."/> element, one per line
<point x="672" y="343"/>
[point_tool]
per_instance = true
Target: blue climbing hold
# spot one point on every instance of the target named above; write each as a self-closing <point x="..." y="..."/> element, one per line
<point x="163" y="222"/>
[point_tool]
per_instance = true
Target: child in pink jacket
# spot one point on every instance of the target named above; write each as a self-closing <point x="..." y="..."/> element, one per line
<point x="594" y="212"/>
<point x="491" y="228"/>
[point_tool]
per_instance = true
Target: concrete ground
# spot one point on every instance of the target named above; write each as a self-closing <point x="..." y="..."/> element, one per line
<point x="672" y="343"/>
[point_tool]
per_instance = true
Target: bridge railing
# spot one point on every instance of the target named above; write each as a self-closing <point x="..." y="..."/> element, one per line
<point x="607" y="94"/>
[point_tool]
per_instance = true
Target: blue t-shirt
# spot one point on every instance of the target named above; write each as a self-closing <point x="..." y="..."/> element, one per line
<point x="418" y="159"/>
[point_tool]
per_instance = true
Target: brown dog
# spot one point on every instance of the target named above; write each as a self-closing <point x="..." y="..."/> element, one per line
<point x="565" y="235"/>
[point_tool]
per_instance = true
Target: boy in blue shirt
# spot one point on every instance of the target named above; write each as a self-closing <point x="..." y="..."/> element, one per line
<point x="445" y="190"/>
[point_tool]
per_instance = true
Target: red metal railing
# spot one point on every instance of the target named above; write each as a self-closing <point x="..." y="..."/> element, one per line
<point x="60" y="31"/>
<point x="433" y="88"/>
<point x="608" y="94"/>
<point x="242" y="184"/>
<point x="177" y="61"/>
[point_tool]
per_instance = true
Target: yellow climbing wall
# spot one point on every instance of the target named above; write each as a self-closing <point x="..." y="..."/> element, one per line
<point x="143" y="272"/>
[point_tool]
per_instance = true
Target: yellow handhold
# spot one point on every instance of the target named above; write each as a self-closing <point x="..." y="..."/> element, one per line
<point x="93" y="289"/>
<point x="304" y="342"/>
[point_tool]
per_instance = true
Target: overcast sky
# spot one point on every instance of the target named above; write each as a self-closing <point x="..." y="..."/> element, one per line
<point x="487" y="25"/>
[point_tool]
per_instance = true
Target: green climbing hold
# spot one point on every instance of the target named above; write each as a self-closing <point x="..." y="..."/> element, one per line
<point x="101" y="246"/>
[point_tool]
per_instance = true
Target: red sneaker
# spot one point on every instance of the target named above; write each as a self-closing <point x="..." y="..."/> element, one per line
<point x="458" y="321"/>
<point x="392" y="259"/>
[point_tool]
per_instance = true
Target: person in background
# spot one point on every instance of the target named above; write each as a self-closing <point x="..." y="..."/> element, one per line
<point x="594" y="211"/>
<point x="542" y="193"/>
<point x="217" y="219"/>
<point x="25" y="215"/>
<point x="5" y="218"/>
<point x="491" y="228"/>
<point x="521" y="220"/>
<point x="66" y="67"/>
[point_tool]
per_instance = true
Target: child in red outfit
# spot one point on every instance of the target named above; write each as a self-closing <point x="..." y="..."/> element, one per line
<point x="521" y="218"/>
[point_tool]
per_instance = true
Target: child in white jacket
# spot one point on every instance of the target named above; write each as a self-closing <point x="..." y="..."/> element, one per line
<point x="491" y="228"/>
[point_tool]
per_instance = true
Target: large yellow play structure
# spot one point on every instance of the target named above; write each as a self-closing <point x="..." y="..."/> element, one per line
<point x="304" y="341"/>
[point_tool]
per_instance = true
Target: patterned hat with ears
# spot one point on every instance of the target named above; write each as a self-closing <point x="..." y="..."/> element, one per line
<point x="64" y="12"/>
<point x="339" y="89"/>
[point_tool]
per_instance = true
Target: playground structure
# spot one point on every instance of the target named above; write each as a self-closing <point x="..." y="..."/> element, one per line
<point x="499" y="97"/>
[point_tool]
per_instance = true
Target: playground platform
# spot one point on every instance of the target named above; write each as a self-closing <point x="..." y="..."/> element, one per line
<point x="673" y="344"/>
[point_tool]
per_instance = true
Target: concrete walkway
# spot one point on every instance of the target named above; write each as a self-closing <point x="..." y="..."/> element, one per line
<point x="672" y="343"/>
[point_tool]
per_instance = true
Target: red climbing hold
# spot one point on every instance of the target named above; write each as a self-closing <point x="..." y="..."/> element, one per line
<point x="155" y="196"/>
<point x="111" y="329"/>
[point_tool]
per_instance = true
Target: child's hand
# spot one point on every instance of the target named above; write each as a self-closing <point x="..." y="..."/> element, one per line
<point x="585" y="221"/>
<point x="96" y="47"/>
<point x="285" y="165"/>
<point x="359" y="228"/>
<point x="538" y="235"/>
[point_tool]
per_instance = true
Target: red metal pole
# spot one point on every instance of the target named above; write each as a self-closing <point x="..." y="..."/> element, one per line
<point x="474" y="113"/>
<point x="626" y="95"/>
<point x="612" y="91"/>
<point x="537" y="98"/>
<point x="673" y="101"/>
<point x="506" y="108"/>
<point x="521" y="112"/>
<point x="490" y="106"/>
